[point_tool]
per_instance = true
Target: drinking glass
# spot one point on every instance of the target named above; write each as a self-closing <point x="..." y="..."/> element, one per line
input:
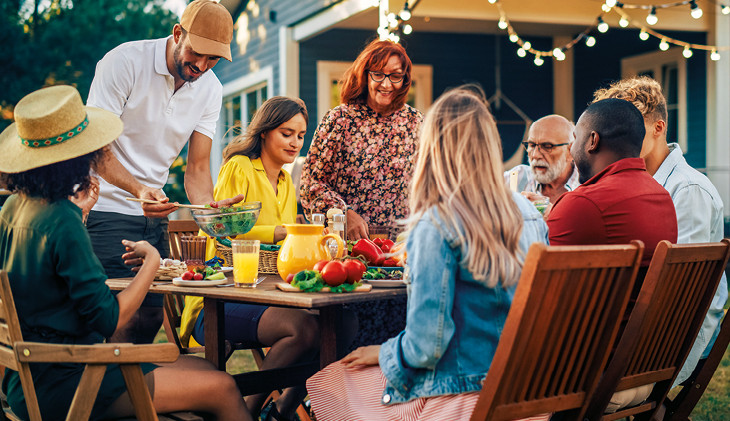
<point x="245" y="262"/>
<point x="192" y="251"/>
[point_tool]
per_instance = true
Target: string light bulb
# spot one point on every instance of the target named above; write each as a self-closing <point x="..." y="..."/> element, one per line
<point x="527" y="45"/>
<point x="405" y="14"/>
<point x="407" y="29"/>
<point x="664" y="45"/>
<point x="502" y="24"/>
<point x="605" y="8"/>
<point x="394" y="37"/>
<point x="623" y="22"/>
<point x="643" y="35"/>
<point x="392" y="21"/>
<point x="514" y="37"/>
<point x="590" y="41"/>
<point x="538" y="60"/>
<point x="687" y="53"/>
<point x="610" y="3"/>
<point x="521" y="52"/>
<point x="558" y="54"/>
<point x="725" y="9"/>
<point x="714" y="55"/>
<point x="695" y="10"/>
<point x="651" y="18"/>
<point x="602" y="26"/>
<point x="492" y="1"/>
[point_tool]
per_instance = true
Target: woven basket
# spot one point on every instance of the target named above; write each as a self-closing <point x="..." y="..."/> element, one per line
<point x="267" y="259"/>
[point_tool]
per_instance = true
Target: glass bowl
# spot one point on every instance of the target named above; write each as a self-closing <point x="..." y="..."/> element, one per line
<point x="228" y="222"/>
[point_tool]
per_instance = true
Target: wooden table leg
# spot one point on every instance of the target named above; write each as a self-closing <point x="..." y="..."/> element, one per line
<point x="214" y="327"/>
<point x="328" y="317"/>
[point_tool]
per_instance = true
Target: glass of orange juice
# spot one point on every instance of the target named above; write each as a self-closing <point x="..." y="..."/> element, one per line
<point x="245" y="262"/>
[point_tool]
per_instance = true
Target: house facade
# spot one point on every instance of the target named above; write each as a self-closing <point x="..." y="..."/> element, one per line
<point x="301" y="47"/>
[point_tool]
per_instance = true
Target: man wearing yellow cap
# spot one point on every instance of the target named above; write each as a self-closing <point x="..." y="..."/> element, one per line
<point x="166" y="97"/>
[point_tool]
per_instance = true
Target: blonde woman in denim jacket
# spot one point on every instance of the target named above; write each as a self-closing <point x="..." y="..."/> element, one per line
<point x="468" y="235"/>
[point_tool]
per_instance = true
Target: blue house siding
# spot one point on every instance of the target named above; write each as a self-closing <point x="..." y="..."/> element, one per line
<point x="596" y="67"/>
<point x="456" y="59"/>
<point x="262" y="47"/>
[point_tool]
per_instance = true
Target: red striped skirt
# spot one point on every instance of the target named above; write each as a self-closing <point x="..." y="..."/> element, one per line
<point x="339" y="393"/>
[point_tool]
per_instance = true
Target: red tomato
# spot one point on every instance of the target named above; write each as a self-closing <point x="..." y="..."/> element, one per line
<point x="198" y="276"/>
<point x="187" y="276"/>
<point x="390" y="262"/>
<point x="320" y="265"/>
<point x="355" y="269"/>
<point x="387" y="245"/>
<point x="334" y="273"/>
<point x="289" y="278"/>
<point x="378" y="242"/>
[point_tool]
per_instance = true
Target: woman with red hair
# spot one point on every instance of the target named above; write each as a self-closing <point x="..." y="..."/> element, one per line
<point x="362" y="152"/>
<point x="362" y="157"/>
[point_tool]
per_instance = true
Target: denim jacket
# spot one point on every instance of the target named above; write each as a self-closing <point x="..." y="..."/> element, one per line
<point x="454" y="322"/>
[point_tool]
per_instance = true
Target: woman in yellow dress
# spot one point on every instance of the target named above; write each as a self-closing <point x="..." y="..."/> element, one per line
<point x="253" y="168"/>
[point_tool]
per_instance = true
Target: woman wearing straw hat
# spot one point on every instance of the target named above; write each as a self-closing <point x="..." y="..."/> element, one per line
<point x="58" y="283"/>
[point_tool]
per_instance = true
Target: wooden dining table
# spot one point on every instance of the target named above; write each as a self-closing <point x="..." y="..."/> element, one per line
<point x="328" y="304"/>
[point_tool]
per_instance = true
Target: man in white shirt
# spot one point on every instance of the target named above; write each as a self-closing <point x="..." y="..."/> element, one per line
<point x="551" y="171"/>
<point x="697" y="202"/>
<point x="166" y="97"/>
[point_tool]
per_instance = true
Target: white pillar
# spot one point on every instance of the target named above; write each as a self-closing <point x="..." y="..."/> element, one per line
<point x="563" y="80"/>
<point x="718" y="110"/>
<point x="288" y="63"/>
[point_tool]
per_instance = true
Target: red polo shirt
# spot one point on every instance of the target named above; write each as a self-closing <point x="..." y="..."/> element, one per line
<point x="619" y="204"/>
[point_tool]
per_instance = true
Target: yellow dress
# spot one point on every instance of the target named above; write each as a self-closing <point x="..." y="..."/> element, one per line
<point x="242" y="175"/>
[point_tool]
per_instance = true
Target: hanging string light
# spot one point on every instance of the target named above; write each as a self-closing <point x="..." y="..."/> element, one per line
<point x="695" y="10"/>
<point x="559" y="52"/>
<point x="725" y="9"/>
<point x="651" y="18"/>
<point x="396" y="25"/>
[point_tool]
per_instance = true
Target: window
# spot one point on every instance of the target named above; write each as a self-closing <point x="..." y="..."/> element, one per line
<point x="669" y="68"/>
<point x="330" y="72"/>
<point x="238" y="109"/>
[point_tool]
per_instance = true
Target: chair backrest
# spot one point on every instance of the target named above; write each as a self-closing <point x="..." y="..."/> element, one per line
<point x="10" y="334"/>
<point x="679" y="408"/>
<point x="674" y="298"/>
<point x="179" y="228"/>
<point x="559" y="331"/>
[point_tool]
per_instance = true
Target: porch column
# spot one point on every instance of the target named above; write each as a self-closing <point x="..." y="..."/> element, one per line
<point x="563" y="81"/>
<point x="718" y="110"/>
<point x="288" y="63"/>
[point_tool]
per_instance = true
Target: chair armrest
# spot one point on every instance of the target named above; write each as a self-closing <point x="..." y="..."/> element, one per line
<point x="115" y="353"/>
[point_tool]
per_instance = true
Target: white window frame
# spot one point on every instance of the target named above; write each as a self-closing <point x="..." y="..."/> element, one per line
<point x="654" y="62"/>
<point x="239" y="87"/>
<point x="327" y="71"/>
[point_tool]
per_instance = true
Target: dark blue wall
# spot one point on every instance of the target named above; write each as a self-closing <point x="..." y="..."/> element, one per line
<point x="456" y="59"/>
<point x="598" y="66"/>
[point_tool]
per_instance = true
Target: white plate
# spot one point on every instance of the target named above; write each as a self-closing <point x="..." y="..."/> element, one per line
<point x="225" y="269"/>
<point x="183" y="283"/>
<point x="385" y="283"/>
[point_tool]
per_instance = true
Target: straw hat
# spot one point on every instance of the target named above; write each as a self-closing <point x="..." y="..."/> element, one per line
<point x="53" y="125"/>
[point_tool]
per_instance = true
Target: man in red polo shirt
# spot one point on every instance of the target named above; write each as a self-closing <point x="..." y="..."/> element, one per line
<point x="618" y="200"/>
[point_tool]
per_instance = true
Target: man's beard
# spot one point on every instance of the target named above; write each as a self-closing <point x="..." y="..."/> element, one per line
<point x="551" y="173"/>
<point x="180" y="65"/>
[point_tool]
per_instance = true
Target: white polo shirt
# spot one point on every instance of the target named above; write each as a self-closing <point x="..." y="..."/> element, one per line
<point x="133" y="81"/>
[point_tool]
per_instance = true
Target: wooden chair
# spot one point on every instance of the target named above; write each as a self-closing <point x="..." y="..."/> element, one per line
<point x="674" y="298"/>
<point x="16" y="355"/>
<point x="560" y="329"/>
<point x="679" y="408"/>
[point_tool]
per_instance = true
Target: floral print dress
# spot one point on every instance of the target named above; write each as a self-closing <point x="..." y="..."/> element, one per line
<point x="364" y="160"/>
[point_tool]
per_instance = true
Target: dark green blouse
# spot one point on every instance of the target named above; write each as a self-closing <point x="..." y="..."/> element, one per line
<point x="61" y="297"/>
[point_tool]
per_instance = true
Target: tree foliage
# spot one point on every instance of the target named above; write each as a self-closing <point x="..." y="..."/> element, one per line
<point x="62" y="43"/>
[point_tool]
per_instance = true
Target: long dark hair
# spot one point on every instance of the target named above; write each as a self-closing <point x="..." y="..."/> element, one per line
<point x="272" y="114"/>
<point x="55" y="181"/>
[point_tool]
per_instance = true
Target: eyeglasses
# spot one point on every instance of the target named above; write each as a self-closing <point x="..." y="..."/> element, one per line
<point x="380" y="76"/>
<point x="544" y="147"/>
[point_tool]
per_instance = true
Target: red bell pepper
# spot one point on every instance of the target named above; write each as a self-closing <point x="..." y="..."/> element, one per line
<point x="368" y="250"/>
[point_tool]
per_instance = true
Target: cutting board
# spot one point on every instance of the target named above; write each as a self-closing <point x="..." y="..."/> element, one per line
<point x="288" y="288"/>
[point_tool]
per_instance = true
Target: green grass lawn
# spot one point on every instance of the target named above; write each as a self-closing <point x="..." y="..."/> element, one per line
<point x="714" y="405"/>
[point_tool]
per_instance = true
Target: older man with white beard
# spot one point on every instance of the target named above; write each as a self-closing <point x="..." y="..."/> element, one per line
<point x="551" y="171"/>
